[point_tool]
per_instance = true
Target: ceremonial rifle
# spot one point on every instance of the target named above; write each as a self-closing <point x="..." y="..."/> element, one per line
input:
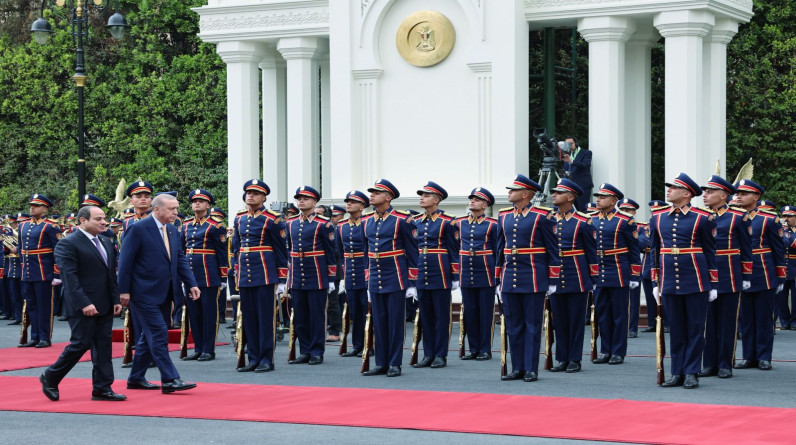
<point x="462" y="330"/>
<point x="368" y="340"/>
<point x="240" y="338"/>
<point x="547" y="326"/>
<point x="595" y="331"/>
<point x="291" y="354"/>
<point x="346" y="327"/>
<point x="23" y="328"/>
<point x="503" y="340"/>
<point x="184" y="330"/>
<point x="128" y="341"/>
<point x="660" y="342"/>
<point x="417" y="334"/>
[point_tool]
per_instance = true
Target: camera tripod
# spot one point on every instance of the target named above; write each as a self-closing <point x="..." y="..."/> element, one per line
<point x="548" y="167"/>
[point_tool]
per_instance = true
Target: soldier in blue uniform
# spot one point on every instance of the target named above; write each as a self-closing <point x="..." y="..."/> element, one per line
<point x="577" y="252"/>
<point x="260" y="262"/>
<point x="13" y="266"/>
<point x="140" y="193"/>
<point x="220" y="216"/>
<point x="734" y="264"/>
<point x="478" y="244"/>
<point x="334" y="309"/>
<point x="37" y="239"/>
<point x="391" y="271"/>
<point x="94" y="200"/>
<point x="788" y="321"/>
<point x="528" y="267"/>
<point x="437" y="274"/>
<point x="620" y="272"/>
<point x="204" y="239"/>
<point x="352" y="246"/>
<point x="768" y="278"/>
<point x="311" y="273"/>
<point x="686" y="275"/>
<point x="630" y="207"/>
<point x="645" y="243"/>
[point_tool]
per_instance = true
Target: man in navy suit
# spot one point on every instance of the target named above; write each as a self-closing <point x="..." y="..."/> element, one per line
<point x="91" y="299"/>
<point x="578" y="164"/>
<point x="152" y="269"/>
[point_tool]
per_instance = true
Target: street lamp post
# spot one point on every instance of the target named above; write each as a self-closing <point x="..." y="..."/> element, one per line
<point x="78" y="19"/>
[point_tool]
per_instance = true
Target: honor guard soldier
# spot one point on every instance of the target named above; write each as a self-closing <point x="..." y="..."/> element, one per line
<point x="260" y="258"/>
<point x="591" y="209"/>
<point x="37" y="239"/>
<point x="577" y="252"/>
<point x="351" y="243"/>
<point x="204" y="239"/>
<point x="620" y="272"/>
<point x="789" y="240"/>
<point x="93" y="200"/>
<point x="437" y="274"/>
<point x="478" y="244"/>
<point x="391" y="273"/>
<point x="311" y="273"/>
<point x="734" y="264"/>
<point x="220" y="216"/>
<point x="686" y="275"/>
<point x="645" y="243"/>
<point x="766" y="205"/>
<point x="140" y="193"/>
<point x="334" y="310"/>
<point x="13" y="266"/>
<point x="528" y="268"/>
<point x="630" y="207"/>
<point x="768" y="278"/>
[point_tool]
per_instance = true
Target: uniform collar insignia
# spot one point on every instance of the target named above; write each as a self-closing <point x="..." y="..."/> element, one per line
<point x="354" y="222"/>
<point x="476" y="219"/>
<point x="720" y="211"/>
<point x="385" y="214"/>
<point x="565" y="215"/>
<point x="608" y="215"/>
<point x="524" y="211"/>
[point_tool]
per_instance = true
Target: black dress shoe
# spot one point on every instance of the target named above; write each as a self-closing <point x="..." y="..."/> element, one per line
<point x="632" y="334"/>
<point x="141" y="384"/>
<point x="426" y="362"/>
<point x="265" y="368"/>
<point x="127" y="365"/>
<point x="469" y="356"/>
<point x="649" y="329"/>
<point x="109" y="396"/>
<point x="394" y="371"/>
<point x="15" y="323"/>
<point x="746" y="364"/>
<point x="676" y="380"/>
<point x="484" y="356"/>
<point x="602" y="358"/>
<point x="176" y="385"/>
<point x="616" y="360"/>
<point x="691" y="381"/>
<point x="352" y="353"/>
<point x="439" y="362"/>
<point x="725" y="373"/>
<point x="573" y="367"/>
<point x="43" y="344"/>
<point x="764" y="365"/>
<point x="248" y="368"/>
<point x="303" y="358"/>
<point x="316" y="360"/>
<point x="530" y="376"/>
<point x="194" y="356"/>
<point x="49" y="390"/>
<point x="206" y="357"/>
<point x="381" y="370"/>
<point x="29" y="344"/>
<point x="5" y="317"/>
<point x="561" y="366"/>
<point x="514" y="375"/>
<point x="707" y="372"/>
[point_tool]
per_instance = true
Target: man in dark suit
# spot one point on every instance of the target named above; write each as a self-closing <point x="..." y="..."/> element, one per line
<point x="152" y="269"/>
<point x="578" y="164"/>
<point x="91" y="299"/>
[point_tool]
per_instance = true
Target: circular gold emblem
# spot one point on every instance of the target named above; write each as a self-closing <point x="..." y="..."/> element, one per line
<point x="425" y="38"/>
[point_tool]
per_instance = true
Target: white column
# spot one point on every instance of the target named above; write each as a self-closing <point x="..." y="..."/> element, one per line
<point x="365" y="150"/>
<point x="715" y="89"/>
<point x="483" y="91"/>
<point x="607" y="119"/>
<point x="302" y="111"/>
<point x="685" y="133"/>
<point x="274" y="125"/>
<point x="243" y="116"/>
<point x="638" y="105"/>
<point x="326" y="170"/>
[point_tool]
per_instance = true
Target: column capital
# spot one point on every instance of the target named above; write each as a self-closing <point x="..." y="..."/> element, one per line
<point x="298" y="47"/>
<point x="723" y="31"/>
<point x="606" y="28"/>
<point x="240" y="51"/>
<point x="645" y="37"/>
<point x="684" y="23"/>
<point x="271" y="59"/>
<point x="367" y="73"/>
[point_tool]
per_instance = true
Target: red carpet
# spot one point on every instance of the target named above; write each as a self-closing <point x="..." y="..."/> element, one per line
<point x="553" y="417"/>
<point x="24" y="358"/>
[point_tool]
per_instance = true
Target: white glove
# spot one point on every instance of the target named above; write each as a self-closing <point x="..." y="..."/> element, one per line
<point x="280" y="288"/>
<point x="57" y="281"/>
<point x="713" y="295"/>
<point x="779" y="288"/>
<point x="368" y="296"/>
<point x="746" y="285"/>
<point x="331" y="288"/>
<point x="633" y="284"/>
<point x="455" y="285"/>
<point x="342" y="287"/>
<point x="594" y="288"/>
<point x="656" y="294"/>
<point x="223" y="286"/>
<point x="499" y="294"/>
<point x="551" y="289"/>
<point x="411" y="292"/>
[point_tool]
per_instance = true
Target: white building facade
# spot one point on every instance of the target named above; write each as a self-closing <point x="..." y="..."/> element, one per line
<point x="342" y="107"/>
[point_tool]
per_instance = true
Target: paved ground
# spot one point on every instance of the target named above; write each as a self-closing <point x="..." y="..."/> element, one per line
<point x="634" y="380"/>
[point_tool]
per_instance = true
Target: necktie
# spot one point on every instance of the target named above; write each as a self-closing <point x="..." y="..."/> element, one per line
<point x="101" y="250"/>
<point x="166" y="240"/>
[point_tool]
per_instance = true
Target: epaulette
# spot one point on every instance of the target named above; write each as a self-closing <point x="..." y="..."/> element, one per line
<point x="642" y="224"/>
<point x="187" y="220"/>
<point x="271" y="214"/>
<point x="580" y="216"/>
<point x="242" y="212"/>
<point x="547" y="209"/>
<point x="343" y="221"/>
<point x="660" y="210"/>
<point x="364" y="214"/>
<point x="447" y="217"/>
<point x="628" y="215"/>
<point x="702" y="210"/>
<point x="767" y="212"/>
<point x="401" y="212"/>
<point x="490" y="219"/>
<point x="293" y="217"/>
<point x="507" y="209"/>
<point x="217" y="219"/>
<point x="129" y="216"/>
<point x="322" y="218"/>
<point x="737" y="209"/>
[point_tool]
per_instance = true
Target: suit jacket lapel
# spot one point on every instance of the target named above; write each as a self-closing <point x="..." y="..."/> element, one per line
<point x="88" y="244"/>
<point x="158" y="237"/>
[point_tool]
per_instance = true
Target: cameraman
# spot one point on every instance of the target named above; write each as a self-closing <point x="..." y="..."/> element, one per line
<point x="578" y="164"/>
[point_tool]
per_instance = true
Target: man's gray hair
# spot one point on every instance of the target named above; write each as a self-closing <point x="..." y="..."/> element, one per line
<point x="160" y="200"/>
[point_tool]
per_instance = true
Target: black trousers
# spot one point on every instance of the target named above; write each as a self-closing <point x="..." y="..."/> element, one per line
<point x="88" y="333"/>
